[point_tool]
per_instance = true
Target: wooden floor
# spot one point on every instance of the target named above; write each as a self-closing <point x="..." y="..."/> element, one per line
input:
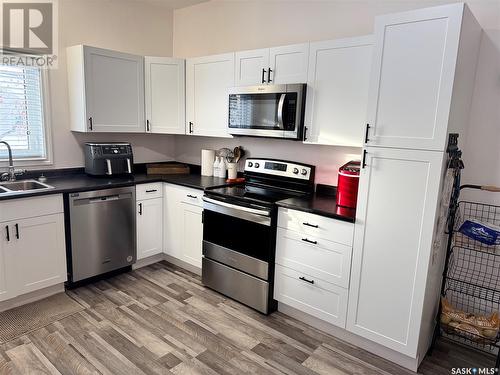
<point x="161" y="320"/>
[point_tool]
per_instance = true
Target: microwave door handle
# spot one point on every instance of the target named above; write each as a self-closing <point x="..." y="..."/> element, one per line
<point x="281" y="103"/>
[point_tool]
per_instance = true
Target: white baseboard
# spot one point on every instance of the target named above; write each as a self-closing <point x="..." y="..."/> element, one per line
<point x="182" y="264"/>
<point x="31" y="297"/>
<point x="159" y="257"/>
<point x="148" y="261"/>
<point x="370" y="346"/>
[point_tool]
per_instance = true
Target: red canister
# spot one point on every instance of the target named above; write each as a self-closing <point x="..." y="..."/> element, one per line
<point x="348" y="182"/>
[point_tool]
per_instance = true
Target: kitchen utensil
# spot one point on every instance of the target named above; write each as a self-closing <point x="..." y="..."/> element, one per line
<point x="237" y="154"/>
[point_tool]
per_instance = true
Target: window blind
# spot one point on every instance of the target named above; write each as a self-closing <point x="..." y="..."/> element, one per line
<point x="21" y="112"/>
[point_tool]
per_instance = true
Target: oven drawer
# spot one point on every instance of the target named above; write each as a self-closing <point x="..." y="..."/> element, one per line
<point x="321" y="299"/>
<point x="316" y="225"/>
<point x="326" y="260"/>
<point x="148" y="191"/>
<point x="235" y="284"/>
<point x="242" y="262"/>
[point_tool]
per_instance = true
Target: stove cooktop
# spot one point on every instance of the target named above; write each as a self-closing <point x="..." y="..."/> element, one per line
<point x="254" y="194"/>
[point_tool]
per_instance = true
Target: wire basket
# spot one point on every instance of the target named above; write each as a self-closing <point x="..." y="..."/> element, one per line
<point x="485" y="213"/>
<point x="472" y="274"/>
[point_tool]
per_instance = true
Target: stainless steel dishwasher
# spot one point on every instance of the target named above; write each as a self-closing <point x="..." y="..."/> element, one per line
<point x="102" y="228"/>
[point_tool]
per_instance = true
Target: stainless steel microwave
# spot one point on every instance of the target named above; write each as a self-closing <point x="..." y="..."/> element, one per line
<point x="267" y="111"/>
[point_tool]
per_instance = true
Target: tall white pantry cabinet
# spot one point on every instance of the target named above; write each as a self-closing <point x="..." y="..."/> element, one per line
<point x="420" y="91"/>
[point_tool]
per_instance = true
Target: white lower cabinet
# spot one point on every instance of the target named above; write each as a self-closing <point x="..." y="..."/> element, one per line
<point x="396" y="213"/>
<point x="311" y="295"/>
<point x="32" y="249"/>
<point x="313" y="263"/>
<point x="183" y="224"/>
<point x="149" y="227"/>
<point x="192" y="234"/>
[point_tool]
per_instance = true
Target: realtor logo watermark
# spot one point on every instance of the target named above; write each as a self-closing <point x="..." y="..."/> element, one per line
<point x="29" y="33"/>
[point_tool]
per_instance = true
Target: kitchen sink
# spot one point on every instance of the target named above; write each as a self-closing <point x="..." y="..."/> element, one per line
<point x="22" y="186"/>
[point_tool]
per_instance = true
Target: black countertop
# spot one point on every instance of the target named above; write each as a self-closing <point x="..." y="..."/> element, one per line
<point x="81" y="182"/>
<point x="320" y="204"/>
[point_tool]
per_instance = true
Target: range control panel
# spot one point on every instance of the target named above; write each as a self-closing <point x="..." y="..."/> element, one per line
<point x="278" y="168"/>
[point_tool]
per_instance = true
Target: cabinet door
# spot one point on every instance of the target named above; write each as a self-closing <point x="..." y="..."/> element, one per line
<point x="289" y="63"/>
<point x="395" y="219"/>
<point x="252" y="67"/>
<point x="40" y="252"/>
<point x="207" y="99"/>
<point x="6" y="253"/>
<point x="337" y="92"/>
<point x="114" y="90"/>
<point x="165" y="95"/>
<point x="172" y="225"/>
<point x="192" y="234"/>
<point x="412" y="77"/>
<point x="149" y="227"/>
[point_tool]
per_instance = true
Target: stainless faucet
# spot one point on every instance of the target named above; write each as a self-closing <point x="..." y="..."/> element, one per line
<point x="11" y="174"/>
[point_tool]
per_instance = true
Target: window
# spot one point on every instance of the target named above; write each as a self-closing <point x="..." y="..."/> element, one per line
<point x="22" y="121"/>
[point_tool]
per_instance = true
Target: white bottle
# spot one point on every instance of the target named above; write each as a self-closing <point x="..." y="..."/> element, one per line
<point x="222" y="168"/>
<point x="216" y="167"/>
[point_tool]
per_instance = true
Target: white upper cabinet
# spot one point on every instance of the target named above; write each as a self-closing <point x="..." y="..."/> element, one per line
<point x="208" y="79"/>
<point x="165" y="95"/>
<point x="395" y="219"/>
<point x="418" y="55"/>
<point x="337" y="91"/>
<point x="277" y="65"/>
<point x="106" y="90"/>
<point x="289" y="63"/>
<point x="252" y="67"/>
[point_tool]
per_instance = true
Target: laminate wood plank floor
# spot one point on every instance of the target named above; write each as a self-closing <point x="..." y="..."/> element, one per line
<point x="161" y="320"/>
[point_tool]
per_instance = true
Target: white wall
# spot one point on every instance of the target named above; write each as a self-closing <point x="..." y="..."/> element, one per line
<point x="123" y="25"/>
<point x="224" y="25"/>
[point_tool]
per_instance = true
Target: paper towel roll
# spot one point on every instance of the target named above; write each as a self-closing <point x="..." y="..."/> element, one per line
<point x="207" y="162"/>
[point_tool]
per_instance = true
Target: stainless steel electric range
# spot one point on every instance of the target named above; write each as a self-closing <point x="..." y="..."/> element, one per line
<point x="239" y="229"/>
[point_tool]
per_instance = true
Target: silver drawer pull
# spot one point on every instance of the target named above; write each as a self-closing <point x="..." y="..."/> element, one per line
<point x="192" y="196"/>
<point x="306" y="280"/>
<point x="309" y="241"/>
<point x="311" y="225"/>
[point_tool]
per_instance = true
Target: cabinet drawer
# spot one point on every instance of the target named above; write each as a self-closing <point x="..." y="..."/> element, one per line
<point x="326" y="260"/>
<point x="192" y="196"/>
<point x="320" y="299"/>
<point x="316" y="225"/>
<point x="30" y="207"/>
<point x="148" y="191"/>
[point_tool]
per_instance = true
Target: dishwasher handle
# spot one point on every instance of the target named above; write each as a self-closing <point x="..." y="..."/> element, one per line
<point x="102" y="199"/>
<point x="105" y="199"/>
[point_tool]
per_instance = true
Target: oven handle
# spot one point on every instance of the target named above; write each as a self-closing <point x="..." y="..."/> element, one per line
<point x="281" y="103"/>
<point x="235" y="207"/>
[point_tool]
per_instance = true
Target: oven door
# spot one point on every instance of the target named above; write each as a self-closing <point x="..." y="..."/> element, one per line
<point x="267" y="111"/>
<point x="239" y="237"/>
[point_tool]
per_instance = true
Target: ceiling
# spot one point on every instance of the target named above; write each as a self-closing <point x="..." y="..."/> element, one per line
<point x="174" y="4"/>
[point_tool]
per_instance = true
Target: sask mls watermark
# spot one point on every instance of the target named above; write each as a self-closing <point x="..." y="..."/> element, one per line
<point x="29" y="33"/>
